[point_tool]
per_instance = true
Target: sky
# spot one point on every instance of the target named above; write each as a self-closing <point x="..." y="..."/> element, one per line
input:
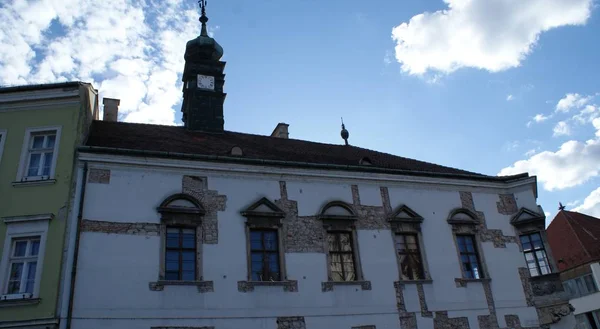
<point x="497" y="87"/>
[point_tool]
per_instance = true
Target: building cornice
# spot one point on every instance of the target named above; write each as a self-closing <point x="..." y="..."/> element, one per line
<point x="277" y="169"/>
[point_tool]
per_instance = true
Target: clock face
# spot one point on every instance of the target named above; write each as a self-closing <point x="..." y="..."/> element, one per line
<point x="206" y="82"/>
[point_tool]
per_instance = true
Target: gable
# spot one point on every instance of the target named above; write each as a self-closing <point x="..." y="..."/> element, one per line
<point x="263" y="207"/>
<point x="404" y="213"/>
<point x="527" y="216"/>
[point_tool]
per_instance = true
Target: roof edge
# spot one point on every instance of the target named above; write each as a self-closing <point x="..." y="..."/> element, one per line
<point x="356" y="168"/>
<point x="41" y="86"/>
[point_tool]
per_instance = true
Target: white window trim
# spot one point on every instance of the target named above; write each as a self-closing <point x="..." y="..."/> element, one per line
<point x="3" y="134"/>
<point x="22" y="229"/>
<point x="25" y="152"/>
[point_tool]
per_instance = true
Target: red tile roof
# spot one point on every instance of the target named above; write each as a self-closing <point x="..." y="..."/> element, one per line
<point x="177" y="139"/>
<point x="574" y="239"/>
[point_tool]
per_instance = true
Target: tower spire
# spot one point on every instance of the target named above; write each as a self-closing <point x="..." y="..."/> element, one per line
<point x="345" y="134"/>
<point x="203" y="19"/>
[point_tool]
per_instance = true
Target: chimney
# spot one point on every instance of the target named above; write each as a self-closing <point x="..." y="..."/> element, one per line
<point x="281" y="131"/>
<point x="111" y="109"/>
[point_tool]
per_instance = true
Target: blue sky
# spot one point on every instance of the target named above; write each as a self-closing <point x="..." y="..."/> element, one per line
<point x="471" y="84"/>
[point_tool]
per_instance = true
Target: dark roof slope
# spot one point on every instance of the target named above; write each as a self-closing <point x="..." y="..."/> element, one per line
<point x="69" y="84"/>
<point x="176" y="139"/>
<point x="574" y="239"/>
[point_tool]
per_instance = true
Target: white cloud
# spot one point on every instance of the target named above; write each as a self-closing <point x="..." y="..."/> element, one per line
<point x="591" y="204"/>
<point x="538" y="118"/>
<point x="572" y="101"/>
<point x="530" y="152"/>
<point x="509" y="98"/>
<point x="493" y="35"/>
<point x="587" y="114"/>
<point x="129" y="49"/>
<point x="573" y="203"/>
<point x="561" y="129"/>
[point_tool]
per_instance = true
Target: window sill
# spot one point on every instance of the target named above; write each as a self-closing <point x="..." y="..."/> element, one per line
<point x="248" y="286"/>
<point x="415" y="281"/>
<point x="11" y="302"/>
<point x="37" y="182"/>
<point x="328" y="285"/>
<point x="203" y="286"/>
<point x="462" y="282"/>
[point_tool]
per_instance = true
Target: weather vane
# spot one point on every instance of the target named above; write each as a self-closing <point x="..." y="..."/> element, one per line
<point x="203" y="18"/>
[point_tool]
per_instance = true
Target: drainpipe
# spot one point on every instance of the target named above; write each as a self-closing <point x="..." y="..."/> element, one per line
<point x="67" y="297"/>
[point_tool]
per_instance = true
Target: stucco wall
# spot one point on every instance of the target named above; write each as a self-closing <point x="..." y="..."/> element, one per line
<point x="114" y="270"/>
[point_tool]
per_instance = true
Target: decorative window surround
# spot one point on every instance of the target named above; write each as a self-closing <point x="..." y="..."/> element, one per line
<point x="466" y="222"/>
<point x="2" y="141"/>
<point x="406" y="220"/>
<point x="27" y="218"/>
<point x="337" y="216"/>
<point x="22" y="175"/>
<point x="462" y="282"/>
<point x="527" y="221"/>
<point x="18" y="228"/>
<point x="181" y="210"/>
<point x="203" y="286"/>
<point x="18" y="302"/>
<point x="34" y="183"/>
<point x="264" y="214"/>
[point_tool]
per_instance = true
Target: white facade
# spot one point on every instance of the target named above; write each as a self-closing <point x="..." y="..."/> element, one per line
<point x="115" y="270"/>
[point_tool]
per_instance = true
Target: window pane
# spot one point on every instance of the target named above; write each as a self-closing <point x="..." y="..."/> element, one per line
<point x="172" y="276"/>
<point x="345" y="242"/>
<point x="34" y="164"/>
<point x="533" y="271"/>
<point x="20" y="247"/>
<point x="188" y="256"/>
<point x="348" y="263"/>
<point x="270" y="240"/>
<point x="537" y="244"/>
<point x="188" y="276"/>
<point x="13" y="287"/>
<point x="172" y="238"/>
<point x="580" y="286"/>
<point x="38" y="142"/>
<point x="470" y="247"/>
<point x="189" y="240"/>
<point x="274" y="262"/>
<point x="35" y="248"/>
<point x="335" y="267"/>
<point x="256" y="240"/>
<point x="589" y="283"/>
<point x="469" y="240"/>
<point x="16" y="270"/>
<point x="172" y="266"/>
<point x="50" y="141"/>
<point x="30" y="277"/>
<point x="410" y="239"/>
<point x="332" y="241"/>
<point x="47" y="163"/>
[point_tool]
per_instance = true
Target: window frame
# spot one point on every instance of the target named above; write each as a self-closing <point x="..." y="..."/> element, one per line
<point x="352" y="252"/>
<point x="26" y="154"/>
<point x="3" y="134"/>
<point x="572" y="286"/>
<point x="180" y="249"/>
<point x="22" y="227"/>
<point x="264" y="251"/>
<point x="264" y="215"/>
<point x="465" y="222"/>
<point x="534" y="251"/>
<point x="173" y="216"/>
<point x="421" y="270"/>
<point x="467" y="253"/>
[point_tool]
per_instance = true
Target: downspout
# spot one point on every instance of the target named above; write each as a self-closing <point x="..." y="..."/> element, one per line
<point x="75" y="251"/>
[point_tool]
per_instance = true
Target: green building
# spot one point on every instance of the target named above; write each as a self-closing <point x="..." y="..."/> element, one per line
<point x="40" y="128"/>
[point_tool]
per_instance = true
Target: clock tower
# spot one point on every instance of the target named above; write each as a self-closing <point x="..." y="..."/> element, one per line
<point x="203" y="81"/>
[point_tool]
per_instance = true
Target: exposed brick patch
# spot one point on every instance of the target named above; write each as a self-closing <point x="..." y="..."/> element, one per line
<point x="248" y="286"/>
<point x="460" y="282"/>
<point x="301" y="233"/>
<point x="399" y="287"/>
<point x="291" y="322"/>
<point x="553" y="313"/>
<point x="408" y="321"/>
<point x="513" y="322"/>
<point x="385" y="199"/>
<point x="99" y="176"/>
<point x="442" y="321"/>
<point x="507" y="204"/>
<point x="369" y="217"/>
<point x="488" y="321"/>
<point x="423" y="302"/>
<point x="524" y="276"/>
<point x="210" y="200"/>
<point x="486" y="235"/>
<point x="120" y="228"/>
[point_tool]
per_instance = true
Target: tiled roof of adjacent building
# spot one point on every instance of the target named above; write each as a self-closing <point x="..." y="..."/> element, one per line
<point x="574" y="239"/>
<point x="144" y="139"/>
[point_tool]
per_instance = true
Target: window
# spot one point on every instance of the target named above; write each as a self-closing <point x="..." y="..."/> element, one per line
<point x="581" y="286"/>
<point x="411" y="265"/>
<point x="39" y="154"/>
<point x="264" y="255"/>
<point x="469" y="257"/>
<point x="535" y="255"/>
<point x="341" y="256"/>
<point x="180" y="255"/>
<point x="22" y="265"/>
